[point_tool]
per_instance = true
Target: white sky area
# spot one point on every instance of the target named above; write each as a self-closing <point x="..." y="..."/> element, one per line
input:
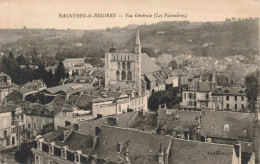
<point x="45" y="13"/>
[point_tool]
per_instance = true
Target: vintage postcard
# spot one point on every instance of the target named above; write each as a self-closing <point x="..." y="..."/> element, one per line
<point x="129" y="82"/>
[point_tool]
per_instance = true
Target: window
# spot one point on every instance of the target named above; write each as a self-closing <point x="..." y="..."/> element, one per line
<point x="117" y="75"/>
<point x="235" y="98"/>
<point x="245" y="131"/>
<point x="123" y="75"/>
<point x="190" y="95"/>
<point x="227" y="106"/>
<point x="51" y="149"/>
<point x="118" y="66"/>
<point x="63" y="153"/>
<point x="29" y="126"/>
<point x="227" y="98"/>
<point x="207" y="95"/>
<point x="195" y="103"/>
<point x="39" y="145"/>
<point x="128" y="66"/>
<point x="119" y="108"/>
<point x="5" y="133"/>
<point x="235" y="106"/>
<point x="194" y="95"/>
<point x="77" y="158"/>
<point x="184" y="95"/>
<point x="129" y="75"/>
<point x="226" y="128"/>
<point x="242" y="106"/>
<point x="123" y="65"/>
<point x="242" y="98"/>
<point x="50" y="162"/>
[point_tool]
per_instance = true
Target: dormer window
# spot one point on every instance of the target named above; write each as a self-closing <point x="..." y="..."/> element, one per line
<point x="211" y="128"/>
<point x="77" y="156"/>
<point x="64" y="152"/>
<point x="51" y="148"/>
<point x="226" y="128"/>
<point x="39" y="142"/>
<point x="245" y="131"/>
<point x="39" y="145"/>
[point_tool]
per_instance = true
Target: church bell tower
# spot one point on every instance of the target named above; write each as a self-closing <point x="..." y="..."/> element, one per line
<point x="138" y="60"/>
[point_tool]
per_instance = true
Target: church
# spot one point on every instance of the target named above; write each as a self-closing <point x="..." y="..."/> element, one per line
<point x="134" y="68"/>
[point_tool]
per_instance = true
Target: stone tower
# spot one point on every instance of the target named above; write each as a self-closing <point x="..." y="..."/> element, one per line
<point x="124" y="66"/>
<point x="138" y="60"/>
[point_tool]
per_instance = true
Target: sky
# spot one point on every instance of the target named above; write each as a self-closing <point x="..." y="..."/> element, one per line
<point x="45" y="13"/>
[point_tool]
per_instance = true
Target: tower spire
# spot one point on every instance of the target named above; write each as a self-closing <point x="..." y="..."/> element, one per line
<point x="137" y="43"/>
<point x="137" y="38"/>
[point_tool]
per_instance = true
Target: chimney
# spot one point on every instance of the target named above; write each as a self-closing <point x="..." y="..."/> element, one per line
<point x="97" y="130"/>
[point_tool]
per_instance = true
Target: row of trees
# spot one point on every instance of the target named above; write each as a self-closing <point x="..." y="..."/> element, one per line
<point x="21" y="75"/>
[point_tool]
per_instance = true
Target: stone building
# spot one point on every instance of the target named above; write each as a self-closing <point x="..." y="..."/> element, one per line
<point x="124" y="66"/>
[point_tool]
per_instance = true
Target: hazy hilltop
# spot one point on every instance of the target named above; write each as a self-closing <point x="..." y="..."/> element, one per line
<point x="214" y="39"/>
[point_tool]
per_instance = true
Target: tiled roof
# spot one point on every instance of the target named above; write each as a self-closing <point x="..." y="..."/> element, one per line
<point x="142" y="147"/>
<point x="187" y="151"/>
<point x="148" y="66"/>
<point x="213" y="124"/>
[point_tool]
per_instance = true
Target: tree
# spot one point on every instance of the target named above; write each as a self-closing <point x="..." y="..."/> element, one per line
<point x="252" y="84"/>
<point x="11" y="55"/>
<point x="21" y="60"/>
<point x="153" y="103"/>
<point x="173" y="64"/>
<point x="60" y="73"/>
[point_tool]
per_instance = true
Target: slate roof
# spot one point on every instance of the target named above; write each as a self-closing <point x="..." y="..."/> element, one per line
<point x="167" y="119"/>
<point x="69" y="88"/>
<point x="98" y="100"/>
<point x="205" y="86"/>
<point x="147" y="122"/>
<point x="88" y="127"/>
<point x="75" y="141"/>
<point x="148" y="66"/>
<point x="142" y="147"/>
<point x="83" y="102"/>
<point x="187" y="151"/>
<point x="114" y="94"/>
<point x="150" y="77"/>
<point x="229" y="91"/>
<point x="3" y="74"/>
<point x="213" y="125"/>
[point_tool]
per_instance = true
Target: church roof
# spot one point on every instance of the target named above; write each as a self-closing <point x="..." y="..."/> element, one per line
<point x="148" y="65"/>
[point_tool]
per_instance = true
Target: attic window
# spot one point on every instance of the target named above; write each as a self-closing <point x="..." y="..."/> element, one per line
<point x="245" y="131"/>
<point x="226" y="128"/>
<point x="226" y="91"/>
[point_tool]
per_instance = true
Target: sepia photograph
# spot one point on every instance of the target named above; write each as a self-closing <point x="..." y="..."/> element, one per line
<point x="129" y="82"/>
